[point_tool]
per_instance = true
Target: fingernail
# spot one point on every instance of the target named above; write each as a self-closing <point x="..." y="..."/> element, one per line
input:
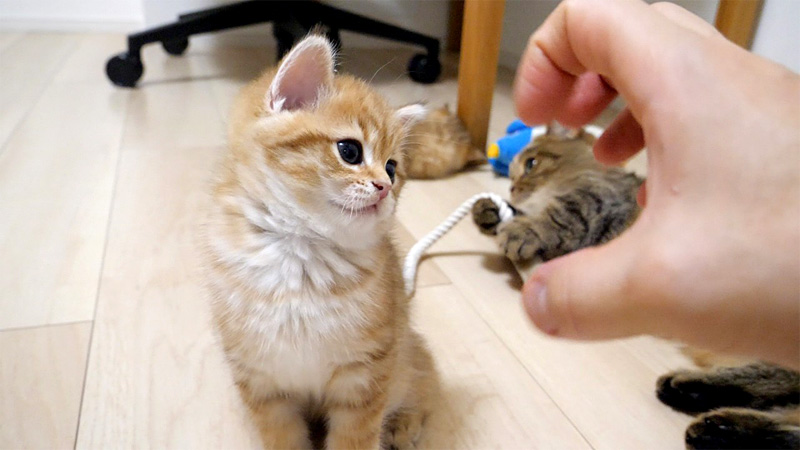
<point x="535" y="299"/>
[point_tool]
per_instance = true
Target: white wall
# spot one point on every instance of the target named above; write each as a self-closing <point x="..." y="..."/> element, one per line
<point x="520" y="20"/>
<point x="522" y="17"/>
<point x="778" y="36"/>
<point x="71" y="15"/>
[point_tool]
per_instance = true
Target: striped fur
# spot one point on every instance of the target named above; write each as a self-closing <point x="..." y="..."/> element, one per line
<point x="564" y="201"/>
<point x="739" y="404"/>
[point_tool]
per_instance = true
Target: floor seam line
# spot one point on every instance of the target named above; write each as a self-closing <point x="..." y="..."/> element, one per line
<point x="123" y="129"/>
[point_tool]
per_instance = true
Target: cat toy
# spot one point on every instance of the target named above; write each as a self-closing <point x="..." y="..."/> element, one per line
<point x="518" y="136"/>
<point x="412" y="258"/>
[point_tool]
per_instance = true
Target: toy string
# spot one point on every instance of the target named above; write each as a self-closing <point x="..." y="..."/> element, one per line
<point x="412" y="258"/>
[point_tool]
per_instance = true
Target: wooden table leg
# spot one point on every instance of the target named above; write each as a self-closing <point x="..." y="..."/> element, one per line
<point x="738" y="19"/>
<point x="480" y="50"/>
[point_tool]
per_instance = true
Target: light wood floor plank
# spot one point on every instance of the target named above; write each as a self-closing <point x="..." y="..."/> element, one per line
<point x="56" y="180"/>
<point x="41" y="378"/>
<point x="156" y="377"/>
<point x="603" y="388"/>
<point x="428" y="273"/>
<point x="489" y="399"/>
<point x="26" y="67"/>
<point x="87" y="62"/>
<point x="173" y="116"/>
<point x="9" y="37"/>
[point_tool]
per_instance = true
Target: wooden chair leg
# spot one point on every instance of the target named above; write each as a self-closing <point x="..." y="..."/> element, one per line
<point x="480" y="50"/>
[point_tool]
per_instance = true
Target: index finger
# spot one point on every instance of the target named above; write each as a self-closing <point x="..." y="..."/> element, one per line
<point x="624" y="41"/>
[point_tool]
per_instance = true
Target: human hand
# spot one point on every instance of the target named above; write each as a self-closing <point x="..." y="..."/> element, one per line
<point x="714" y="258"/>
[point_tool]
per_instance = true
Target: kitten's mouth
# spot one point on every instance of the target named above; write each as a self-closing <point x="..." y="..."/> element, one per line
<point x="363" y="210"/>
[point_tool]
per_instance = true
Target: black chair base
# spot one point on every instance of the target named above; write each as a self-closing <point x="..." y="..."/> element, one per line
<point x="291" y="20"/>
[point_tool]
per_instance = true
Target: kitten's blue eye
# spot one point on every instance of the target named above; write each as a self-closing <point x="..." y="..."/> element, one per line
<point x="529" y="163"/>
<point x="391" y="168"/>
<point x="350" y="150"/>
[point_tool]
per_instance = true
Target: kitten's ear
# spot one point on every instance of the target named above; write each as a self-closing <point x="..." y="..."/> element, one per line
<point x="411" y="114"/>
<point x="558" y="131"/>
<point x="305" y="75"/>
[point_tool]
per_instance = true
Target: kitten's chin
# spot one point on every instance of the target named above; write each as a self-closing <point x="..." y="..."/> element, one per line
<point x="363" y="211"/>
<point x="360" y="227"/>
<point x="374" y="212"/>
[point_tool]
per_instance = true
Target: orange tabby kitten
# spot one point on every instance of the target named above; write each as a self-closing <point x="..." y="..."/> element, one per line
<point x="439" y="146"/>
<point x="306" y="284"/>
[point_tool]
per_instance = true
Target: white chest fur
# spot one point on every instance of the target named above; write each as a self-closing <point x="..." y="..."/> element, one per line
<point x="536" y="203"/>
<point x="295" y="345"/>
<point x="294" y="333"/>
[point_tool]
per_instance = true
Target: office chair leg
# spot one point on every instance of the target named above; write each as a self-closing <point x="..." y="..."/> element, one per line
<point x="422" y="68"/>
<point x="125" y="69"/>
<point x="176" y="47"/>
<point x="292" y="20"/>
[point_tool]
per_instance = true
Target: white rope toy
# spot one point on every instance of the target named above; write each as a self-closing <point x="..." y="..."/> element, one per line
<point x="413" y="256"/>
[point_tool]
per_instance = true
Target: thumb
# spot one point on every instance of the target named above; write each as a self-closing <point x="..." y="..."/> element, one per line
<point x="587" y="294"/>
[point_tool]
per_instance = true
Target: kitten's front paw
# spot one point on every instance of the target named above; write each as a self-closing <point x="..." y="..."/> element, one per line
<point x="518" y="241"/>
<point x="486" y="216"/>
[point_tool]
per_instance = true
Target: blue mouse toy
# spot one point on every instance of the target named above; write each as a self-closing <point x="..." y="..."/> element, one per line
<point x="518" y="136"/>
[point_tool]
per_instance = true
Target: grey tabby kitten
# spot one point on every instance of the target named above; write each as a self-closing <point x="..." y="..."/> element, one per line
<point x="738" y="405"/>
<point x="563" y="199"/>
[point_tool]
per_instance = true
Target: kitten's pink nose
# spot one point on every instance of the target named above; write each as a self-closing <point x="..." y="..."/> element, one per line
<point x="383" y="188"/>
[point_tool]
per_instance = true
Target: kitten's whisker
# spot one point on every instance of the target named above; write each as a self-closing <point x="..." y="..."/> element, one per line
<point x="346" y="206"/>
<point x="399" y="76"/>
<point x="381" y="68"/>
<point x="352" y="207"/>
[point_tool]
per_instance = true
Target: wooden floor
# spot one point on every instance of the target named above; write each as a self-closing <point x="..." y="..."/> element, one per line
<point x="104" y="331"/>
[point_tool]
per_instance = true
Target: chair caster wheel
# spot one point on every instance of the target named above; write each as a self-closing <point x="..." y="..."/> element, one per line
<point x="424" y="69"/>
<point x="176" y="47"/>
<point x="124" y="70"/>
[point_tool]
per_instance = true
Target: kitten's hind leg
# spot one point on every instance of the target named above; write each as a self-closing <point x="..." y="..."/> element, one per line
<point x="403" y="428"/>
<point x="355" y="401"/>
<point x="279" y="419"/>
<point x="737" y="428"/>
<point x="759" y="386"/>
